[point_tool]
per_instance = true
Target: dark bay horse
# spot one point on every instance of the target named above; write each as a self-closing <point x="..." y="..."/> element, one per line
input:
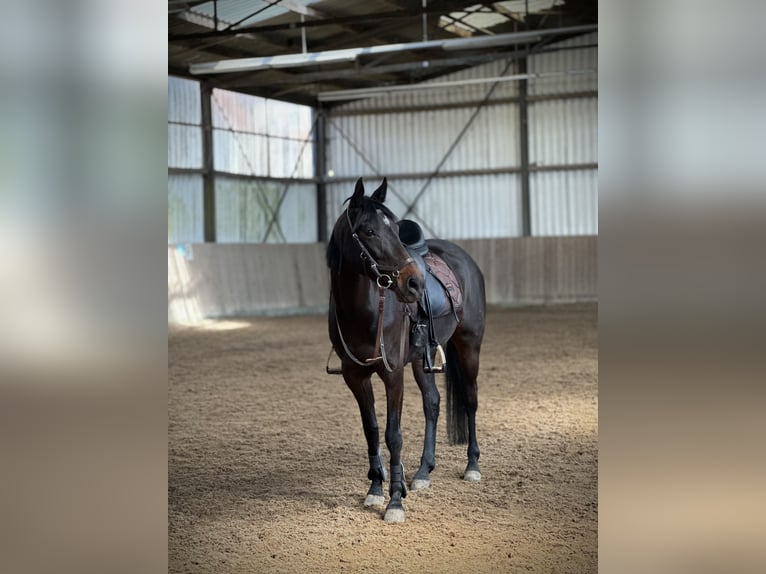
<point x="375" y="286"/>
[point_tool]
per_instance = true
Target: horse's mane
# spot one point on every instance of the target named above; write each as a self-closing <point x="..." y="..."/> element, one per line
<point x="334" y="248"/>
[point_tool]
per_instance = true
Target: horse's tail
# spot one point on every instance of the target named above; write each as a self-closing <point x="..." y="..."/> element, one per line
<point x="457" y="413"/>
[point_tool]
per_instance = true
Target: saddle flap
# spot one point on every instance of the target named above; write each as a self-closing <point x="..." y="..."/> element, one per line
<point x="442" y="286"/>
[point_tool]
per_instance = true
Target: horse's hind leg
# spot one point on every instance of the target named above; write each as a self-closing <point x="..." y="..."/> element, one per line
<point x="470" y="364"/>
<point x="430" y="392"/>
<point x="467" y="350"/>
<point x="358" y="380"/>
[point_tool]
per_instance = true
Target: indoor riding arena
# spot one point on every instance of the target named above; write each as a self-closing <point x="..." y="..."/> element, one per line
<point x="482" y="118"/>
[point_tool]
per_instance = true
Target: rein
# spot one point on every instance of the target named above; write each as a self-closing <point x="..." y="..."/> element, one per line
<point x="383" y="281"/>
<point x="379" y="354"/>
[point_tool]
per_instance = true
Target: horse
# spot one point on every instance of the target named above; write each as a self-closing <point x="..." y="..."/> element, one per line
<point x="374" y="288"/>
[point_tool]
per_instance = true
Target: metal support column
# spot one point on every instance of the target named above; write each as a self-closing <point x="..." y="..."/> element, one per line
<point x="320" y="169"/>
<point x="208" y="181"/>
<point x="526" y="220"/>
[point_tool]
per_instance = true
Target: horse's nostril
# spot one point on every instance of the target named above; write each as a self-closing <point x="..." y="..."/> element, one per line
<point x="415" y="284"/>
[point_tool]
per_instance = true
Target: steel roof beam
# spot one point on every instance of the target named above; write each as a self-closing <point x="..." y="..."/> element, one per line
<point x="350" y="55"/>
<point x="367" y="70"/>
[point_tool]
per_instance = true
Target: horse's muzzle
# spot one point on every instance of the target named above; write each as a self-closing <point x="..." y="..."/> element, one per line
<point x="410" y="285"/>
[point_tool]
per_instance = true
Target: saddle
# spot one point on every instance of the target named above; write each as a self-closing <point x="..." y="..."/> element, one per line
<point x="441" y="297"/>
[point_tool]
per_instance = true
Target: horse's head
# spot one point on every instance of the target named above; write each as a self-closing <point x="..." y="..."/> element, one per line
<point x="374" y="240"/>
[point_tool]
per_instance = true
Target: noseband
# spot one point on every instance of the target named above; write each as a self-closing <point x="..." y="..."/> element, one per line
<point x="385" y="279"/>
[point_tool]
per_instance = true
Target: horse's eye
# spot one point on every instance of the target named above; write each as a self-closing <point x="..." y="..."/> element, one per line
<point x="369" y="232"/>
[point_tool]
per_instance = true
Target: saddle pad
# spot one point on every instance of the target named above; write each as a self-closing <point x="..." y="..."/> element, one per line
<point x="439" y="269"/>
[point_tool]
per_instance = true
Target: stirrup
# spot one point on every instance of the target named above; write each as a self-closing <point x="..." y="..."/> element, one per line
<point x="436" y="368"/>
<point x="333" y="370"/>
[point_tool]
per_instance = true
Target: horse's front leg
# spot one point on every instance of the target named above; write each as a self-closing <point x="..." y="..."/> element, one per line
<point x="358" y="380"/>
<point x="397" y="488"/>
<point x="431" y="399"/>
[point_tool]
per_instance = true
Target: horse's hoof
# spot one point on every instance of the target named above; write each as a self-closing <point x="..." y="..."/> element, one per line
<point x="374" y="500"/>
<point x="472" y="476"/>
<point x="420" y="484"/>
<point x="394" y="515"/>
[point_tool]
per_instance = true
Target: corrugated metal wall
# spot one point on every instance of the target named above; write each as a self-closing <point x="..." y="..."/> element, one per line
<point x="184" y="146"/>
<point x="415" y="142"/>
<point x="184" y="121"/>
<point x="478" y="191"/>
<point x="445" y="96"/>
<point x="185" y="216"/>
<point x="465" y="207"/>
<point x="564" y="202"/>
<point x="256" y="136"/>
<point x="254" y="139"/>
<point x="244" y="210"/>
<point x="405" y="136"/>
<point x="184" y="101"/>
<point x="567" y="60"/>
<point x="564" y="132"/>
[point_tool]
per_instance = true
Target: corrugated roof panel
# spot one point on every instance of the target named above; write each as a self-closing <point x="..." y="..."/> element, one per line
<point x="563" y="132"/>
<point x="185" y="219"/>
<point x="564" y="202"/>
<point x="450" y="208"/>
<point x="232" y="11"/>
<point x="566" y="61"/>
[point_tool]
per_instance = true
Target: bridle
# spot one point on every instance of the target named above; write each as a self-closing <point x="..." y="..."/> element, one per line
<point x="384" y="280"/>
<point x="389" y="273"/>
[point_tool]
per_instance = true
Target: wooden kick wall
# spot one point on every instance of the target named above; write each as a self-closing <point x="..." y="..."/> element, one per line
<point x="225" y="280"/>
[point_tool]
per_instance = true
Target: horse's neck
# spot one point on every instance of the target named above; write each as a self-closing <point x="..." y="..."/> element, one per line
<point x="354" y="295"/>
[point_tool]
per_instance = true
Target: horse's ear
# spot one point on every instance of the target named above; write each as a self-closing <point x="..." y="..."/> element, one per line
<point x="379" y="194"/>
<point x="358" y="193"/>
